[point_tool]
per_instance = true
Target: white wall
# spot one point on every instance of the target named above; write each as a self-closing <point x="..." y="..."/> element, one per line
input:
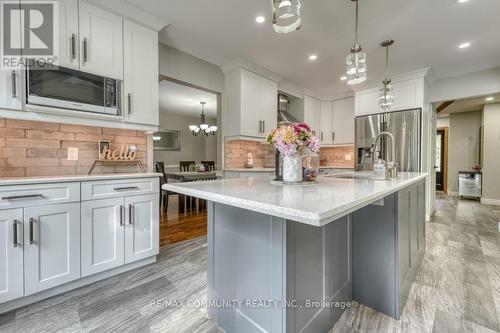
<point x="491" y="159"/>
<point x="465" y="86"/>
<point x="193" y="148"/>
<point x="463" y="147"/>
<point x="195" y="71"/>
<point x="443" y="122"/>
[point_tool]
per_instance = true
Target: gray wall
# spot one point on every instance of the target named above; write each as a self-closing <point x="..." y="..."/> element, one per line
<point x="491" y="160"/>
<point x="193" y="148"/>
<point x="463" y="151"/>
<point x="190" y="69"/>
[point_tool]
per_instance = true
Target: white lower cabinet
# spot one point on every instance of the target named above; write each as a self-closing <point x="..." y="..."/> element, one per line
<point x="11" y="254"/>
<point x="141" y="232"/>
<point x="102" y="235"/>
<point x="52" y="246"/>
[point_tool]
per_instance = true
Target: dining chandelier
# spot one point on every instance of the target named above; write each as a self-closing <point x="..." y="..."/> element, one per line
<point x="203" y="127"/>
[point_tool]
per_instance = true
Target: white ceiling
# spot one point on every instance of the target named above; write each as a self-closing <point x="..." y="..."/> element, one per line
<point x="466" y="105"/>
<point x="185" y="101"/>
<point x="426" y="34"/>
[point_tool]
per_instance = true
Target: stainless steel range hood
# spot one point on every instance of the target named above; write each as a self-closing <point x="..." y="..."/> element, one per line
<point x="284" y="116"/>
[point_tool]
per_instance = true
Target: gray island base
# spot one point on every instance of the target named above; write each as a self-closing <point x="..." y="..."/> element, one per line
<point x="267" y="273"/>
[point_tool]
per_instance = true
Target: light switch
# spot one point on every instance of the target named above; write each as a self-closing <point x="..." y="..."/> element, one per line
<point x="72" y="154"/>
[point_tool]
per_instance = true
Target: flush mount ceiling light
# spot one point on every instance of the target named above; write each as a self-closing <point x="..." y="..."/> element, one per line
<point x="386" y="98"/>
<point x="343" y="78"/>
<point x="313" y="57"/>
<point x="356" y="60"/>
<point x="489" y="99"/>
<point x="260" y="19"/>
<point x="203" y="127"/>
<point x="286" y="15"/>
<point x="464" y="45"/>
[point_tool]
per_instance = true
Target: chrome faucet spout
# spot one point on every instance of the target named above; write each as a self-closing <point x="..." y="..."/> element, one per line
<point x="392" y="165"/>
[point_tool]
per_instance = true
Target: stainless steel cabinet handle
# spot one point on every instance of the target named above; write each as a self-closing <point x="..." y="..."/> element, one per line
<point x="130" y="214"/>
<point x="14" y="231"/>
<point x="73" y="46"/>
<point x="14" y="86"/>
<point x="85" y="55"/>
<point x="129" y="100"/>
<point x="128" y="188"/>
<point x="263" y="126"/>
<point x="333" y="136"/>
<point x="314" y="133"/>
<point x="32" y="221"/>
<point x="321" y="136"/>
<point x="27" y="196"/>
<point x="121" y="215"/>
<point x="260" y="127"/>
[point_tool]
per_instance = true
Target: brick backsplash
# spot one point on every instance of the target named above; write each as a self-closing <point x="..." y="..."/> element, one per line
<point x="32" y="148"/>
<point x="235" y="154"/>
<point x="340" y="157"/>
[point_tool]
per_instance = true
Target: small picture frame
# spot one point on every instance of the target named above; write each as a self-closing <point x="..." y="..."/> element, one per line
<point x="103" y="146"/>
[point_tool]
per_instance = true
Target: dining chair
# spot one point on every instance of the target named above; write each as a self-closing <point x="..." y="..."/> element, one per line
<point x="208" y="165"/>
<point x="186" y="166"/>
<point x="160" y="168"/>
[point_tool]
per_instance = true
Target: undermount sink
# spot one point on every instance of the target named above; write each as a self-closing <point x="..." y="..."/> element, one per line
<point x="355" y="175"/>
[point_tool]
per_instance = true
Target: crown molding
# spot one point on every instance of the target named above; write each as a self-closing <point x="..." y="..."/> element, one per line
<point x="131" y="12"/>
<point x="239" y="63"/>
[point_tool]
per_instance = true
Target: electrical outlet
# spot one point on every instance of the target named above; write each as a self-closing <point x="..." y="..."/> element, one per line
<point x="72" y="154"/>
<point x="348" y="157"/>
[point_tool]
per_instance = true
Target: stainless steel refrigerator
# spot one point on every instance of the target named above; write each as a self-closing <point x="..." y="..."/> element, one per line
<point x="406" y="128"/>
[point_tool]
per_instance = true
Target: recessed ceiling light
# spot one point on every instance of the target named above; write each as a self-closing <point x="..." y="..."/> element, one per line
<point x="462" y="1"/>
<point x="313" y="57"/>
<point x="260" y="19"/>
<point x="343" y="78"/>
<point x="464" y="45"/>
<point x="489" y="99"/>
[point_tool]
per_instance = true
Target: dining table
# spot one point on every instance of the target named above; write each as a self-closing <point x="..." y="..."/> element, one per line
<point x="186" y="202"/>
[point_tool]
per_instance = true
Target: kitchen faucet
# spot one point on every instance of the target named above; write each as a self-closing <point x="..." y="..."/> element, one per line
<point x="392" y="166"/>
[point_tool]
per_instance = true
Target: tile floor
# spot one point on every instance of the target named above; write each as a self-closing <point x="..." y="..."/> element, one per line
<point x="457" y="288"/>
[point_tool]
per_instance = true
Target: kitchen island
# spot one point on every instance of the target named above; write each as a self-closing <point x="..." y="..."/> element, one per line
<point x="291" y="258"/>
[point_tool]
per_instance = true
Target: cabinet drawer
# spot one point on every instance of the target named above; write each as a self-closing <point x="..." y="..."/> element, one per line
<point x="38" y="195"/>
<point x="119" y="188"/>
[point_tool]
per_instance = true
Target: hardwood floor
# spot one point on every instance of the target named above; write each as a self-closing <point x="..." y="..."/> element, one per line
<point x="457" y="288"/>
<point x="177" y="227"/>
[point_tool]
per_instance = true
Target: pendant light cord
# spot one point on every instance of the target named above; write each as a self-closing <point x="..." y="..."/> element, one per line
<point x="356" y="27"/>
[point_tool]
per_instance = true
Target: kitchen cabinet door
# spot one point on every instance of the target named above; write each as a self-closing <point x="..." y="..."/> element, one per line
<point x="250" y="105"/>
<point x="51" y="246"/>
<point x="68" y="34"/>
<point x="101" y="42"/>
<point x="326" y="120"/>
<point x="140" y="74"/>
<point x="268" y="98"/>
<point x="103" y="235"/>
<point x="11" y="254"/>
<point x="343" y="121"/>
<point x="312" y="110"/>
<point x="141" y="227"/>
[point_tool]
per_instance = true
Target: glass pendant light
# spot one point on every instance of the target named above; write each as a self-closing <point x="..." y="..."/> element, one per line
<point x="386" y="98"/>
<point x="356" y="60"/>
<point x="286" y="15"/>
<point x="203" y="127"/>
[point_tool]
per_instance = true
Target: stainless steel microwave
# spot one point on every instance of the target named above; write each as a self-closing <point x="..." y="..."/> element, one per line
<point x="66" y="88"/>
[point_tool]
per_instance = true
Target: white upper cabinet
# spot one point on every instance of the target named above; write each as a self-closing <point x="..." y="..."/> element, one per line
<point x="140" y="74"/>
<point x="11" y="254"/>
<point x="69" y="39"/>
<point x="101" y="42"/>
<point x="251" y="103"/>
<point x="343" y="121"/>
<point x="312" y="110"/>
<point x="408" y="94"/>
<point x="326" y="123"/>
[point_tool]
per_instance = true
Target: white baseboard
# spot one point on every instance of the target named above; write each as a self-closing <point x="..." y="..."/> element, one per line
<point x="486" y="201"/>
<point x="452" y="193"/>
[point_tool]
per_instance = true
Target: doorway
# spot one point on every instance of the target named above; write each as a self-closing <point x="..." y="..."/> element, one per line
<point x="441" y="164"/>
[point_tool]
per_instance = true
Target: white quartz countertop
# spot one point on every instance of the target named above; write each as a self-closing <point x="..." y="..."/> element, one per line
<point x="317" y="204"/>
<point x="250" y="169"/>
<point x="74" y="178"/>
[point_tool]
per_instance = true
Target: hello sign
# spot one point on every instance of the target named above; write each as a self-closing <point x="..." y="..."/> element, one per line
<point x="124" y="153"/>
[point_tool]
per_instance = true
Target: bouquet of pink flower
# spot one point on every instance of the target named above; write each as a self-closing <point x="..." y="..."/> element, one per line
<point x="293" y="139"/>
